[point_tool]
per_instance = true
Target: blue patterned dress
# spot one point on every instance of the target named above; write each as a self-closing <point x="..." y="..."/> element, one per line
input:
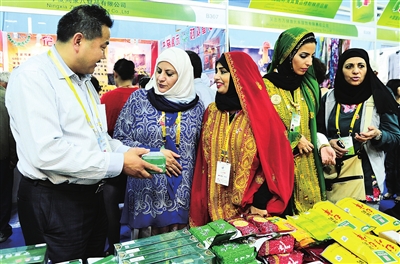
<point x="162" y="200"/>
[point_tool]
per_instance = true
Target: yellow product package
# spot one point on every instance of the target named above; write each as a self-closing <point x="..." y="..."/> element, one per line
<point x="381" y="221"/>
<point x="341" y="217"/>
<point x="384" y="243"/>
<point x="314" y="223"/>
<point x="363" y="246"/>
<point x="335" y="253"/>
<point x="303" y="238"/>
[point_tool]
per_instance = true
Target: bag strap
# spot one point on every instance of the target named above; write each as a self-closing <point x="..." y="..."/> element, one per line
<point x="369" y="107"/>
<point x="330" y="182"/>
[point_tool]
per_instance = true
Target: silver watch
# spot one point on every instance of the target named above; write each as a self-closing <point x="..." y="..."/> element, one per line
<point x="379" y="136"/>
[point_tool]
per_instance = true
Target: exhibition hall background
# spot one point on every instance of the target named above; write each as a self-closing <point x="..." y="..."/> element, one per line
<point x="143" y="28"/>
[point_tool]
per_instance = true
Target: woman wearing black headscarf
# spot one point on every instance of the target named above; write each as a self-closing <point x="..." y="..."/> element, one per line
<point x="345" y="120"/>
<point x="392" y="161"/>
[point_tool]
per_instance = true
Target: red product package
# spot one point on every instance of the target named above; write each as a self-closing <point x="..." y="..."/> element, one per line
<point x="294" y="257"/>
<point x="280" y="245"/>
<point x="264" y="225"/>
<point x="243" y="226"/>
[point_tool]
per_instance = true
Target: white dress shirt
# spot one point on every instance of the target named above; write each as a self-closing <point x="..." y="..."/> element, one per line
<point x="54" y="139"/>
<point x="206" y="94"/>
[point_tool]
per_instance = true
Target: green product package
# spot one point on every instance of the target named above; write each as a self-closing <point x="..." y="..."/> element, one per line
<point x="156" y="247"/>
<point x="200" y="257"/>
<point x="150" y="240"/>
<point x="33" y="254"/>
<point x="156" y="158"/>
<point x="164" y="255"/>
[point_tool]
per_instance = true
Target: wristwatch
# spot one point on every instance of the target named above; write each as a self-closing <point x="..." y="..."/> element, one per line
<point x="379" y="136"/>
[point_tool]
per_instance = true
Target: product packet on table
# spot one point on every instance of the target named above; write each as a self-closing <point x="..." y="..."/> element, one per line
<point x="315" y="224"/>
<point x="156" y="247"/>
<point x="341" y="217"/>
<point x="335" y="253"/>
<point x="365" y="246"/>
<point x="263" y="225"/>
<point x="381" y="221"/>
<point x="303" y="238"/>
<point x="293" y="257"/>
<point x="279" y="245"/>
<point x="243" y="226"/>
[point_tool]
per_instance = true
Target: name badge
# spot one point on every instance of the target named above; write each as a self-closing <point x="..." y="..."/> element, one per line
<point x="295" y="123"/>
<point x="348" y="143"/>
<point x="223" y="172"/>
<point x="103" y="142"/>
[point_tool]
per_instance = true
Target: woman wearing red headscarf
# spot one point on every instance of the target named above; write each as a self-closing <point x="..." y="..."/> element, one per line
<point x="244" y="161"/>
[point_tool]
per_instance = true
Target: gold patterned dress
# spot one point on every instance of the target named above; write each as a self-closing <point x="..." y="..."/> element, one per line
<point x="306" y="185"/>
<point x="228" y="201"/>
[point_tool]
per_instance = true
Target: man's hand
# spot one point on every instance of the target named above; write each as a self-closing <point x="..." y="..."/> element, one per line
<point x="134" y="166"/>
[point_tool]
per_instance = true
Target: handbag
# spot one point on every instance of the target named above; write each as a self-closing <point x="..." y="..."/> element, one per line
<point x="345" y="180"/>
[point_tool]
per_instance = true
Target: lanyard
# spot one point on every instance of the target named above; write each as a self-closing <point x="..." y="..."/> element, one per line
<point x="61" y="69"/>
<point x="353" y="120"/>
<point x="224" y="150"/>
<point x="178" y="128"/>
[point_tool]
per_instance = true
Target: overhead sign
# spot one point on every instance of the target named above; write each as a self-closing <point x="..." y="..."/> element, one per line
<point x="391" y="15"/>
<point x="388" y="35"/>
<point x="362" y="11"/>
<point x="139" y="8"/>
<point x="252" y="19"/>
<point x="317" y="8"/>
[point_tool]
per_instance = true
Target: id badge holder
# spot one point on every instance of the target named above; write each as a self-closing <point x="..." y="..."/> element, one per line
<point x="103" y="142"/>
<point x="222" y="173"/>
<point x="295" y="123"/>
<point x="348" y="143"/>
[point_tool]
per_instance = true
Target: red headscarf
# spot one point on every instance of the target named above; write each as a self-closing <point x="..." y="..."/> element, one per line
<point x="273" y="147"/>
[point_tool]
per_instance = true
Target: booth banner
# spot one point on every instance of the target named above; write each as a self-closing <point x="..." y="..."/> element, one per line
<point x="317" y="8"/>
<point x="391" y="15"/>
<point x="209" y="43"/>
<point x="18" y="47"/>
<point x="138" y="8"/>
<point x="143" y="53"/>
<point x="253" y="19"/>
<point x="362" y="11"/>
<point x="261" y="56"/>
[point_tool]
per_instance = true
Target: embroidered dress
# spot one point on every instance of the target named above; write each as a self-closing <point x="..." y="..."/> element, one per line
<point x="256" y="146"/>
<point x="301" y="93"/>
<point x="306" y="191"/>
<point x="162" y="200"/>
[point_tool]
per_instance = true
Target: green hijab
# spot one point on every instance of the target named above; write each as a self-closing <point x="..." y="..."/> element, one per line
<point x="287" y="45"/>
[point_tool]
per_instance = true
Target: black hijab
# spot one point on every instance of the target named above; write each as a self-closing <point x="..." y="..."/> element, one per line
<point x="230" y="100"/>
<point x="346" y="93"/>
<point x="286" y="78"/>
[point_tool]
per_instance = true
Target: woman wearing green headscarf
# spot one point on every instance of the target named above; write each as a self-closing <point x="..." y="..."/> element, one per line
<point x="295" y="94"/>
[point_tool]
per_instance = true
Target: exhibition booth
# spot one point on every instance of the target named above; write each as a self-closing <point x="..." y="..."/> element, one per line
<point x="142" y="29"/>
<point x="348" y="231"/>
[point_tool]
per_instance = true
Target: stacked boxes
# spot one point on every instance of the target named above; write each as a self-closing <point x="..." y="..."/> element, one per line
<point x="163" y="248"/>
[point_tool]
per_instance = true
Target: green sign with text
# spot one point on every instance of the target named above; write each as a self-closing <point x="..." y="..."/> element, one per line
<point x="389" y="35"/>
<point x="363" y="11"/>
<point x="138" y="8"/>
<point x="250" y="19"/>
<point x="317" y="8"/>
<point x="391" y="15"/>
